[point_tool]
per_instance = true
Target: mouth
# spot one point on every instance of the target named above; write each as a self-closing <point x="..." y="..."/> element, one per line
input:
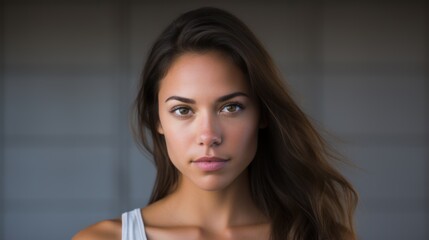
<point x="210" y="159"/>
<point x="210" y="164"/>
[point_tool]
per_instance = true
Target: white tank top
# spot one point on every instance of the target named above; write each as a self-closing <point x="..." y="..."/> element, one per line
<point x="133" y="226"/>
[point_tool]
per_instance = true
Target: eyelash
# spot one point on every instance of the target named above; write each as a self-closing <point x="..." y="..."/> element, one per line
<point x="174" y="109"/>
<point x="235" y="104"/>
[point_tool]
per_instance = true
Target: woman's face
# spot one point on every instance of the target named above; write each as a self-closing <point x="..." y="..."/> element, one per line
<point x="209" y="119"/>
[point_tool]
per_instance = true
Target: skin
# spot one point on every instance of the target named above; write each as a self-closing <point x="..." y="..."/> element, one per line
<point x="206" y="109"/>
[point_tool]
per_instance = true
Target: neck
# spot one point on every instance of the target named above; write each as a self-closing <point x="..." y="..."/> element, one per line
<point x="231" y="206"/>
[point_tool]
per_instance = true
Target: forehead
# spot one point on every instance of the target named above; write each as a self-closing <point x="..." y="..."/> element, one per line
<point x="203" y="74"/>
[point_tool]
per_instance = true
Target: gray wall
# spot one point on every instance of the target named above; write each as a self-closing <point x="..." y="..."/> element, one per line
<point x="69" y="74"/>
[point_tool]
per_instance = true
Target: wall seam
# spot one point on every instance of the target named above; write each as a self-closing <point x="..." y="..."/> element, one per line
<point x="426" y="114"/>
<point x="319" y="65"/>
<point x="122" y="84"/>
<point x="2" y="115"/>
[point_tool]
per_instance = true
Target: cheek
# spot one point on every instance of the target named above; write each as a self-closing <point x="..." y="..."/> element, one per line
<point x="171" y="129"/>
<point x="178" y="141"/>
<point x="243" y="139"/>
<point x="175" y="151"/>
<point x="174" y="140"/>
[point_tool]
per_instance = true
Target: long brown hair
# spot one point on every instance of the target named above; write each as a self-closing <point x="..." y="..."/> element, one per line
<point x="291" y="178"/>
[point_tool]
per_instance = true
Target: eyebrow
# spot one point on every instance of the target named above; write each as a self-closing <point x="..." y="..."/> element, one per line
<point x="221" y="99"/>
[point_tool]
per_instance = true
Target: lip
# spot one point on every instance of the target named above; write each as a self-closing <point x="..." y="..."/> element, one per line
<point x="210" y="164"/>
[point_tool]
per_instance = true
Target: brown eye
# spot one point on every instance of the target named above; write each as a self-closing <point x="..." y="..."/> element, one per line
<point x="182" y="111"/>
<point x="232" y="108"/>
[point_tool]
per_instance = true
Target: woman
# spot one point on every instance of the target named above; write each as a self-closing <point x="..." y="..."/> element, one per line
<point x="236" y="157"/>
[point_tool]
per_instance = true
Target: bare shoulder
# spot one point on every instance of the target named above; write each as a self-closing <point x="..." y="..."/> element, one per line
<point x="105" y="230"/>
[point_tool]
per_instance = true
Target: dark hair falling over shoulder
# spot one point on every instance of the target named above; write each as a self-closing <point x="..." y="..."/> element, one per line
<point x="291" y="178"/>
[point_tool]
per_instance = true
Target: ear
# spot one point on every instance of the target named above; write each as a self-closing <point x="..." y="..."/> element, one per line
<point x="159" y="128"/>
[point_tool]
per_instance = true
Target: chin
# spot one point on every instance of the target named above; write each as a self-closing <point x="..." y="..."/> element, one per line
<point x="212" y="183"/>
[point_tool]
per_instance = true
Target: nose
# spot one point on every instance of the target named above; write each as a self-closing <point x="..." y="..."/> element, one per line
<point x="210" y="133"/>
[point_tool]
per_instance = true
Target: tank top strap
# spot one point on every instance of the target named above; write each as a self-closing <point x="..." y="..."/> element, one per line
<point x="133" y="226"/>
